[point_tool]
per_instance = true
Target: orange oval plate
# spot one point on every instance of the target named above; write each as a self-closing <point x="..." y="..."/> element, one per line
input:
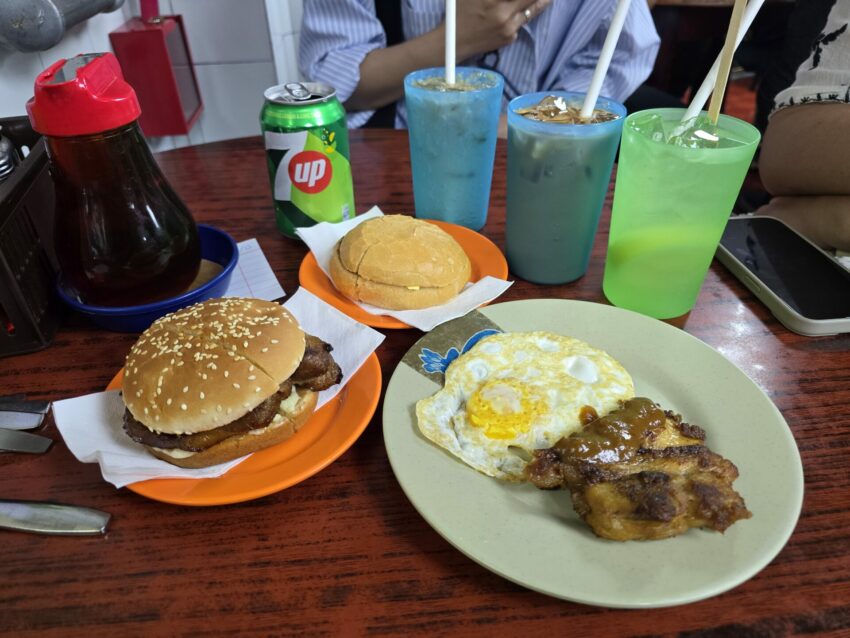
<point x="484" y="255"/>
<point x="323" y="439"/>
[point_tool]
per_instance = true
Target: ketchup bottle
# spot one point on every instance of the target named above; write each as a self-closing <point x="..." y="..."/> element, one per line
<point x="123" y="237"/>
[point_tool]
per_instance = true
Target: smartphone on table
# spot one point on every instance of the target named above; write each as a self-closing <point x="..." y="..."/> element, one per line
<point x="803" y="286"/>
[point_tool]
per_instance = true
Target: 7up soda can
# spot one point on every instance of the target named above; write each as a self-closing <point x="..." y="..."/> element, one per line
<point x="307" y="152"/>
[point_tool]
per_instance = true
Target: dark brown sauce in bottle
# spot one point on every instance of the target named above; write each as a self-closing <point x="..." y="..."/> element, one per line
<point x="615" y="437"/>
<point x="123" y="236"/>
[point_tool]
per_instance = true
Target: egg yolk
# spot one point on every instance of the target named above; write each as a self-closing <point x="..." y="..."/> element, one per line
<point x="504" y="408"/>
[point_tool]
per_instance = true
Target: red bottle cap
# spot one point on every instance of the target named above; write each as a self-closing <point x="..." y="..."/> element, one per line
<point x="83" y="95"/>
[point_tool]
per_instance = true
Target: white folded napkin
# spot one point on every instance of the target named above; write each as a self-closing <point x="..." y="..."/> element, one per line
<point x="322" y="238"/>
<point x="91" y="425"/>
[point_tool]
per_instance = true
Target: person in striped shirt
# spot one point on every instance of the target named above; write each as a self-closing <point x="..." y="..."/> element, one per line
<point x="364" y="48"/>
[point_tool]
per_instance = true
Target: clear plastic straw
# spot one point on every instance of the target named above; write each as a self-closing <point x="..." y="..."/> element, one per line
<point x="605" y="56"/>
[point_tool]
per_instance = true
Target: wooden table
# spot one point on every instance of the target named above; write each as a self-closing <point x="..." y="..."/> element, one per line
<point x="344" y="552"/>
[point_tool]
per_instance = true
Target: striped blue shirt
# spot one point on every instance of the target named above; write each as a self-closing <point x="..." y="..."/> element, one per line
<point x="557" y="50"/>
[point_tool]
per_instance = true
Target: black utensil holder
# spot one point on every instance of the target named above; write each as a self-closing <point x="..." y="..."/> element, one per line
<point x="29" y="309"/>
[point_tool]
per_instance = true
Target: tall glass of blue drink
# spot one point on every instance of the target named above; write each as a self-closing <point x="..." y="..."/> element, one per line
<point x="559" y="167"/>
<point x="453" y="142"/>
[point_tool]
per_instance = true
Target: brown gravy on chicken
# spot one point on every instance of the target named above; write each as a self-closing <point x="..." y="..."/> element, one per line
<point x="615" y="437"/>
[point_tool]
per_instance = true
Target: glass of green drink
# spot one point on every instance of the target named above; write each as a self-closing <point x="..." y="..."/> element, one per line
<point x="676" y="185"/>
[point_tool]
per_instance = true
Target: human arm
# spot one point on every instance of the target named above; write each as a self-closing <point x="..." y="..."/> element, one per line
<point x="336" y="36"/>
<point x="482" y="25"/>
<point x="633" y="57"/>
<point x="343" y="44"/>
<point x="382" y="70"/>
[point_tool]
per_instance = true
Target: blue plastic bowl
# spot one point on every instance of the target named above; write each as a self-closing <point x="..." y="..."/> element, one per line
<point x="216" y="245"/>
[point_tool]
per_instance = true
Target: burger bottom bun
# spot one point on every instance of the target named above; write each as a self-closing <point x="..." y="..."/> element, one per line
<point x="239" y="445"/>
<point x="388" y="296"/>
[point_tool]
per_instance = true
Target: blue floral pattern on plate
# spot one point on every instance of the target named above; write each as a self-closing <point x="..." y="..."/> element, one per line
<point x="435" y="362"/>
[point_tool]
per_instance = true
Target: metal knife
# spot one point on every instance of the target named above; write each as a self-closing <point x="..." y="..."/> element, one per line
<point x="14" y="441"/>
<point x="52" y="518"/>
<point x="13" y="403"/>
<point x="20" y="420"/>
<point x="17" y="413"/>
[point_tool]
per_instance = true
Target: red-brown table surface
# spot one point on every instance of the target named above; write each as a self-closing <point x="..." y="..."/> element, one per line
<point x="344" y="552"/>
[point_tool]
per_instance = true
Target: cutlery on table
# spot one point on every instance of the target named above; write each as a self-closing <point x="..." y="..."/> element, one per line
<point x="51" y="518"/>
<point x="18" y="413"/>
<point x="14" y="441"/>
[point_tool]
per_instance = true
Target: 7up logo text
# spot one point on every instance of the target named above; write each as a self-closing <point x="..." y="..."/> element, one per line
<point x="310" y="175"/>
<point x="310" y="171"/>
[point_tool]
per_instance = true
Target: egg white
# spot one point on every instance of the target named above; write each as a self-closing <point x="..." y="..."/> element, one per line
<point x="520" y="391"/>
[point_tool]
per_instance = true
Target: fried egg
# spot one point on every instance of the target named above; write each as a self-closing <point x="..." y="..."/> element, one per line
<point x="512" y="393"/>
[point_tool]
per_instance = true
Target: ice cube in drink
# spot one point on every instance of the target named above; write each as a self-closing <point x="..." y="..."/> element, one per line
<point x="554" y="108"/>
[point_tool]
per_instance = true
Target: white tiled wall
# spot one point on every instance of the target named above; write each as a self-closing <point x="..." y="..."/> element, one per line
<point x="240" y="48"/>
<point x="284" y="26"/>
<point x="230" y="45"/>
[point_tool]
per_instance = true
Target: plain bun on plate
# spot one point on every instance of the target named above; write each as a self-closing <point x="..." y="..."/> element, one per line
<point x="221" y="379"/>
<point x="399" y="263"/>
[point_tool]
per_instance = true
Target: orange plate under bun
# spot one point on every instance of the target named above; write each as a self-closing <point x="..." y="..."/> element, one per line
<point x="324" y="438"/>
<point x="484" y="255"/>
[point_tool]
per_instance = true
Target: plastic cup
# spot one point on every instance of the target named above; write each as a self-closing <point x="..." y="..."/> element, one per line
<point x="453" y="144"/>
<point x="558" y="175"/>
<point x="671" y="204"/>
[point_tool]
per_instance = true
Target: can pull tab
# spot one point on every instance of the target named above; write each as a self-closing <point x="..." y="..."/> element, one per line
<point x="297" y="90"/>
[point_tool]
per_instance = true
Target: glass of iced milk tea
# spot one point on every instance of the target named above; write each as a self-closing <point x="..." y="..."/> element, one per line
<point x="559" y="166"/>
<point x="453" y="131"/>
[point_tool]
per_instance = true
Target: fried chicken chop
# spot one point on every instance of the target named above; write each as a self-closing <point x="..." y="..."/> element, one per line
<point x="640" y="473"/>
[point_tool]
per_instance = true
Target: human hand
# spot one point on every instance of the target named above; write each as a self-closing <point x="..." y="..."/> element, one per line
<point x="486" y="25"/>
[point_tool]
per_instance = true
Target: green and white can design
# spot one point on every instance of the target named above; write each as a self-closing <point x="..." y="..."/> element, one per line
<point x="306" y="143"/>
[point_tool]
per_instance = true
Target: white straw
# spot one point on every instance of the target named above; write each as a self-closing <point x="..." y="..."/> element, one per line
<point x="701" y="96"/>
<point x="451" y="21"/>
<point x="605" y="58"/>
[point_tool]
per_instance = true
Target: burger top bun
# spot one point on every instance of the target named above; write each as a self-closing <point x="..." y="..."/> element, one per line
<point x="209" y="364"/>
<point x="400" y="263"/>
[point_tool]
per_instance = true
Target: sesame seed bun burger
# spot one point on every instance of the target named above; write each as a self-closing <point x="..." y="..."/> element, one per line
<point x="221" y="379"/>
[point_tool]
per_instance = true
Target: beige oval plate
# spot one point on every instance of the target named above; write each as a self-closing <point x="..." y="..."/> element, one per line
<point x="534" y="538"/>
